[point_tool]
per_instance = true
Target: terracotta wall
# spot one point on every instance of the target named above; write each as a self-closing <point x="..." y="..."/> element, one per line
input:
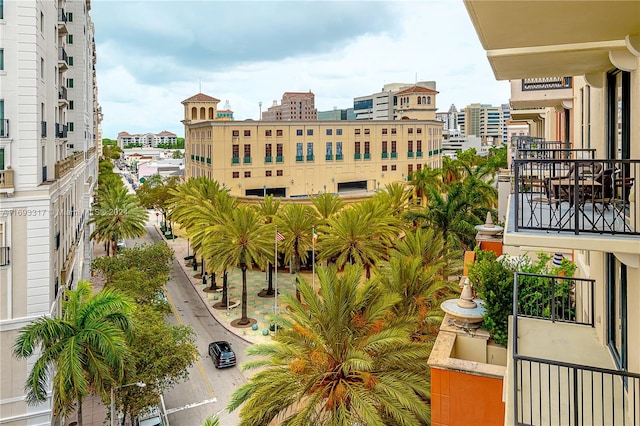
<point x="459" y="399"/>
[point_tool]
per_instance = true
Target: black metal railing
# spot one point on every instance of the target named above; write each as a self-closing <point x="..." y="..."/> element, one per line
<point x="575" y="195"/>
<point x="554" y="298"/>
<point x="554" y="151"/>
<point x="62" y="55"/>
<point x="4" y="128"/>
<point x="62" y="16"/>
<point x="532" y="142"/>
<point x="61" y="130"/>
<point x="546" y="83"/>
<point x="5" y="256"/>
<point x="62" y="93"/>
<point x="557" y="393"/>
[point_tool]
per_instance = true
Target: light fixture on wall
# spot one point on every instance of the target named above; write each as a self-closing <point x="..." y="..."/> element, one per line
<point x="291" y="181"/>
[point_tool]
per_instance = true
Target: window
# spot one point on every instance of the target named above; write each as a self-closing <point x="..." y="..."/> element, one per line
<point x="357" y="131"/>
<point x="267" y="150"/>
<point x="279" y="173"/>
<point x="42" y="22"/>
<point x="338" y="150"/>
<point x="356" y="148"/>
<point x="393" y="146"/>
<point x="299" y="132"/>
<point x="71" y="105"/>
<point x="235" y="151"/>
<point x="279" y="133"/>
<point x="619" y="115"/>
<point x="235" y="175"/>
<point x="70" y="60"/>
<point x="367" y="131"/>
<point x="393" y="131"/>
<point x="329" y="132"/>
<point x="410" y="146"/>
<point x="247" y="174"/>
<point x="1" y="59"/>
<point x="70" y="83"/>
<point x="70" y="126"/>
<point x="267" y="133"/>
<point x="247" y="133"/>
<point x="410" y="131"/>
<point x="267" y="173"/>
<point x="384" y="168"/>
<point x="1" y="9"/>
<point x="418" y="166"/>
<point x="384" y="147"/>
<point x="309" y="132"/>
<point x="247" y="151"/>
<point x="70" y="17"/>
<point x="279" y="150"/>
<point x="338" y="132"/>
<point x="384" y="131"/>
<point x="41" y="67"/>
<point x="393" y="167"/>
<point x="367" y="146"/>
<point x="418" y="130"/>
<point x="299" y="151"/>
<point x="70" y="39"/>
<point x="310" y="151"/>
<point x="409" y="169"/>
<point x="617" y="310"/>
<point x="328" y="149"/>
<point x="419" y="146"/>
<point x="235" y="133"/>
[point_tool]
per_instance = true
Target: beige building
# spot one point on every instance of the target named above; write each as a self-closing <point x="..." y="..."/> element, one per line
<point x="50" y="118"/>
<point x="295" y="106"/>
<point x="296" y="159"/>
<point x="579" y="91"/>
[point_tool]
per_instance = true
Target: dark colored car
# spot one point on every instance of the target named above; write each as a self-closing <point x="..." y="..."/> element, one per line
<point x="222" y="354"/>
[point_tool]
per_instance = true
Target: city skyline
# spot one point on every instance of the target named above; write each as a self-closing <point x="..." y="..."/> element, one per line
<point x="258" y="51"/>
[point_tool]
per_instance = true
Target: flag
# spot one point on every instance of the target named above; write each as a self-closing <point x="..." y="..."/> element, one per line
<point x="279" y="236"/>
<point x="315" y="237"/>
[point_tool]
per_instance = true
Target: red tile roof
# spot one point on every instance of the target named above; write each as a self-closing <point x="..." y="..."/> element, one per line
<point x="416" y="89"/>
<point x="201" y="97"/>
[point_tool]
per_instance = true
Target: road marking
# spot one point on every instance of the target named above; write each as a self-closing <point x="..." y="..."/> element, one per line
<point x="193" y="405"/>
<point x="176" y="314"/>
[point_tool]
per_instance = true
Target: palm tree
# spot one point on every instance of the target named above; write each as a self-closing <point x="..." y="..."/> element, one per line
<point x="337" y="361"/>
<point x="211" y="421"/>
<point x="327" y="205"/>
<point x="422" y="180"/>
<point x="295" y="222"/>
<point x="117" y="215"/>
<point x="85" y="348"/>
<point x="360" y="234"/>
<point x="268" y="208"/>
<point x="241" y="239"/>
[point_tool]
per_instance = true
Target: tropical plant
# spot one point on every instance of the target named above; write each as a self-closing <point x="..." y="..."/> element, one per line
<point x="117" y="215"/>
<point x="153" y="260"/>
<point x="423" y="179"/>
<point x="337" y="361"/>
<point x="211" y="421"/>
<point x="327" y="205"/>
<point x="155" y="193"/>
<point x="84" y="350"/>
<point x="241" y="239"/>
<point x="295" y="222"/>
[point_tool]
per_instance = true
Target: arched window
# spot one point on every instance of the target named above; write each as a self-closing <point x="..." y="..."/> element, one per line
<point x="428" y="100"/>
<point x="424" y="100"/>
<point x="210" y="113"/>
<point x="202" y="113"/>
<point x="194" y="113"/>
<point x="419" y="100"/>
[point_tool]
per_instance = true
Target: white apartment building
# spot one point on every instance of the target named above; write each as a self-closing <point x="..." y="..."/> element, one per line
<point x="146" y="140"/>
<point x="50" y="121"/>
<point x="485" y="121"/>
<point x="384" y="104"/>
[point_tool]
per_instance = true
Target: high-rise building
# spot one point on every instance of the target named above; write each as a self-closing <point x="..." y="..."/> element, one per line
<point x="295" y="106"/>
<point x="484" y="121"/>
<point x="149" y="140"/>
<point x="49" y="140"/>
<point x="384" y="104"/>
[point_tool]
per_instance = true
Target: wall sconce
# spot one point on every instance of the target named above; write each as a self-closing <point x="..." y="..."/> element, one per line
<point x="333" y="180"/>
<point x="291" y="181"/>
<point x="239" y="185"/>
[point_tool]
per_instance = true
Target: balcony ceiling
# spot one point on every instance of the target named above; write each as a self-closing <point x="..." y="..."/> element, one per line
<point x="525" y="38"/>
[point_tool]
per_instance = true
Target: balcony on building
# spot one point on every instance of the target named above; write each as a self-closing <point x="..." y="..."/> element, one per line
<point x="4" y="128"/>
<point x="62" y="95"/>
<point x="62" y="22"/>
<point x="567" y="198"/>
<point x="557" y="384"/>
<point x="6" y="181"/>
<point x="61" y="131"/>
<point x="62" y="59"/>
<point x="541" y="92"/>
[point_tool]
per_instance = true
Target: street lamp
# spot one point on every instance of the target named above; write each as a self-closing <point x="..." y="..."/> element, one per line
<point x="113" y="398"/>
<point x="264" y="191"/>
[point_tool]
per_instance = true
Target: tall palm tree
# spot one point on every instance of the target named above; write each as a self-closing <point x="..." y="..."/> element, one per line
<point x="327" y="205"/>
<point x="117" y="215"/>
<point x="241" y="239"/>
<point x="85" y="349"/>
<point x="337" y="361"/>
<point x="268" y="208"/>
<point x="423" y="179"/>
<point x="361" y="234"/>
<point x="296" y="222"/>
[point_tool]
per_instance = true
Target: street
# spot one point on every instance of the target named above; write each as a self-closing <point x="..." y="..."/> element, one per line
<point x="208" y="390"/>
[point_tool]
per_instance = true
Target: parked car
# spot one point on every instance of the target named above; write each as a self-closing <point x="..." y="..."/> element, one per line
<point x="222" y="354"/>
<point x="151" y="418"/>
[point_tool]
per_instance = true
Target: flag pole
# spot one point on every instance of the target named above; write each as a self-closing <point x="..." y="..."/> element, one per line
<point x="313" y="258"/>
<point x="275" y="266"/>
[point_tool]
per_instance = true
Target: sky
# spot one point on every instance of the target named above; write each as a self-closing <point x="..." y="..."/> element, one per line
<point x="153" y="54"/>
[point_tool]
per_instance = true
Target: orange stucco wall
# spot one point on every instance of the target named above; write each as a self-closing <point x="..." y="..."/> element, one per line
<point x="459" y="399"/>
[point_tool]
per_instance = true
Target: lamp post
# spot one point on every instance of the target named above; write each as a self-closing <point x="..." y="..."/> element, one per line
<point x="264" y="191"/>
<point x="113" y="398"/>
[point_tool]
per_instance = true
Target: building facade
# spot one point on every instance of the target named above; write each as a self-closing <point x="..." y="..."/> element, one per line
<point x="579" y="92"/>
<point x="49" y="145"/>
<point x="151" y="140"/>
<point x="384" y="104"/>
<point x="291" y="159"/>
<point x="484" y="121"/>
<point x="294" y="106"/>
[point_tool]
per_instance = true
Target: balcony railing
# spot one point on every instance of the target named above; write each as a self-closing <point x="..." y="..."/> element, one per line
<point x="62" y="93"/>
<point x="6" y="179"/>
<point x="62" y="167"/>
<point x="62" y="16"/>
<point x="5" y="256"/>
<point x="572" y="195"/>
<point x="4" y="128"/>
<point x="546" y="83"/>
<point x="62" y="57"/>
<point x="61" y="131"/>
<point x="530" y="142"/>
<point x="553" y="392"/>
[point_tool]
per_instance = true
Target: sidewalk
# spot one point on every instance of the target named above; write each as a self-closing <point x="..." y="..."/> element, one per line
<point x="260" y="309"/>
